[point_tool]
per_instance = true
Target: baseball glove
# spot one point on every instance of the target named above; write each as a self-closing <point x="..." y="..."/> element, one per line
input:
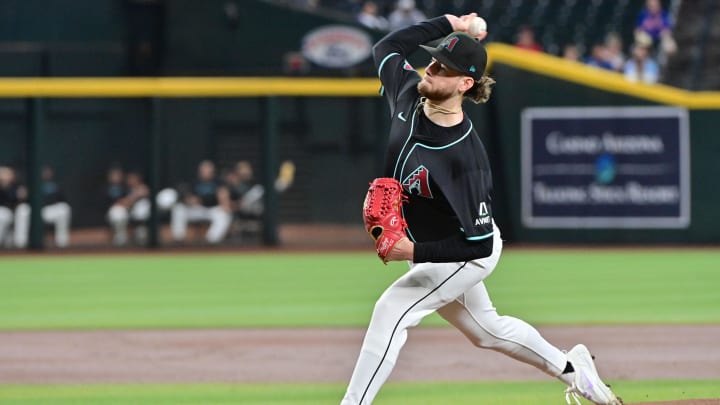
<point x="382" y="214"/>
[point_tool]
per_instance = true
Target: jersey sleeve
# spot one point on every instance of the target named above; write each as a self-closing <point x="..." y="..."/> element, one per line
<point x="391" y="53"/>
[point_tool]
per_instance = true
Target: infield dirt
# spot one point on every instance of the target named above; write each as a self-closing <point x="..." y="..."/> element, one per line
<point x="328" y="355"/>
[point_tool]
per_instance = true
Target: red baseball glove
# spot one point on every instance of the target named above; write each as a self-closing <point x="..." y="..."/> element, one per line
<point x="382" y="214"/>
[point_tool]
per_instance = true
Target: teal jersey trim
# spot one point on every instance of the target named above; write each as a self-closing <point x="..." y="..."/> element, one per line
<point x="385" y="59"/>
<point x="451" y="143"/>
<point x="422" y="145"/>
<point x="480" y="237"/>
<point x="412" y="125"/>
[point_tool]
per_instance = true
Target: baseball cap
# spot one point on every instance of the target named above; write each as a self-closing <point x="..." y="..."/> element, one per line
<point x="461" y="52"/>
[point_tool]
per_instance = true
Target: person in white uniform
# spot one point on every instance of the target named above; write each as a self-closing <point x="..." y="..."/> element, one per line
<point x="452" y="243"/>
<point x="55" y="211"/>
<point x="8" y="202"/>
<point x="201" y="203"/>
<point x="130" y="202"/>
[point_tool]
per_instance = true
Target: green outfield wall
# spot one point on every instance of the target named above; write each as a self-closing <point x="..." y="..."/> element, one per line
<point x="551" y="85"/>
<point x="334" y="129"/>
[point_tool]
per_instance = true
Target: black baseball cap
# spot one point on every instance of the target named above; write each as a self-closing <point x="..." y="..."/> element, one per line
<point x="461" y="52"/>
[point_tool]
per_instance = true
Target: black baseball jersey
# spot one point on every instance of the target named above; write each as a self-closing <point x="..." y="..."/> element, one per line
<point x="444" y="170"/>
<point x="207" y="192"/>
<point x="51" y="193"/>
<point x="115" y="192"/>
<point x="9" y="196"/>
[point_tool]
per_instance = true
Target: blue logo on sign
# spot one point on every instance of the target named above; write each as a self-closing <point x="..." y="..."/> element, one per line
<point x="605" y="168"/>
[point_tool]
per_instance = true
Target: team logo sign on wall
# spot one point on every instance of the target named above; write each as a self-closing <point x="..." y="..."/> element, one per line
<point x="336" y="46"/>
<point x="605" y="167"/>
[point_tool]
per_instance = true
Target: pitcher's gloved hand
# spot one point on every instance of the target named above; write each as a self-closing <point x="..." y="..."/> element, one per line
<point x="382" y="214"/>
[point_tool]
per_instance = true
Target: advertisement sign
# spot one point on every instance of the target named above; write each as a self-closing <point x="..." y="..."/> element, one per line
<point x="605" y="167"/>
<point x="336" y="46"/>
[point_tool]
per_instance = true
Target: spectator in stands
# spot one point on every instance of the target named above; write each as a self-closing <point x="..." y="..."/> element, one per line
<point x="641" y="67"/>
<point x="128" y="195"/>
<point x="615" y="55"/>
<point x="599" y="57"/>
<point x="571" y="52"/>
<point x="201" y="203"/>
<point x="405" y="14"/>
<point x="8" y="203"/>
<point x="55" y="211"/>
<point x="370" y="17"/>
<point x="525" y="39"/>
<point x="655" y="22"/>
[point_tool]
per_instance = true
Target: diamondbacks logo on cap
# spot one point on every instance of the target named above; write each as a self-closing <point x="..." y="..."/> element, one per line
<point x="450" y="43"/>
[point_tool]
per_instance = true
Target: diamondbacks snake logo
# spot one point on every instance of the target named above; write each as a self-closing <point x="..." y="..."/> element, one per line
<point x="450" y="43"/>
<point x="418" y="182"/>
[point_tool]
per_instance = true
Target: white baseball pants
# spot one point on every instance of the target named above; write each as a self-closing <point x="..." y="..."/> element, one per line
<point x="58" y="214"/>
<point x="6" y="219"/>
<point x="457" y="292"/>
<point x="118" y="216"/>
<point x="182" y="214"/>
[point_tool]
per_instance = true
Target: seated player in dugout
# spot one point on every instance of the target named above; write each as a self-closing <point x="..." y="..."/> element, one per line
<point x="9" y="200"/>
<point x="437" y="162"/>
<point x="243" y="196"/>
<point x="55" y="211"/>
<point x="201" y="203"/>
<point x="128" y="197"/>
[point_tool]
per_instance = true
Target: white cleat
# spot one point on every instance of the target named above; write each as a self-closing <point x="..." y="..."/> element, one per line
<point x="587" y="383"/>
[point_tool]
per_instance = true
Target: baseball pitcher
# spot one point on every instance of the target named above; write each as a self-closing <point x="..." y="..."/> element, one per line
<point x="434" y="209"/>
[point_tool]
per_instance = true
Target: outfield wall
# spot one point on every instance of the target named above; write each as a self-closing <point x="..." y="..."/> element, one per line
<point x="335" y="131"/>
<point x="542" y="86"/>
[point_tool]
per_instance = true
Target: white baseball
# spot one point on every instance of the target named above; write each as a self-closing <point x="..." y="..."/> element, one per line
<point x="477" y="26"/>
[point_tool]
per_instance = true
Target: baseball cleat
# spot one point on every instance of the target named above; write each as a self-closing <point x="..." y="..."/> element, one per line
<point x="587" y="382"/>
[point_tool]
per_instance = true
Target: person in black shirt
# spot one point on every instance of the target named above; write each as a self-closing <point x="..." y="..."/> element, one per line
<point x="55" y="211"/>
<point x="452" y="242"/>
<point x="201" y="203"/>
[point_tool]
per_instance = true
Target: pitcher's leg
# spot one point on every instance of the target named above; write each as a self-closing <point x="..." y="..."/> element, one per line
<point x="422" y="290"/>
<point x="474" y="315"/>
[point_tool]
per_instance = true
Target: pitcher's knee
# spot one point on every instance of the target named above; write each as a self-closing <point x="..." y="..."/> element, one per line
<point x="491" y="333"/>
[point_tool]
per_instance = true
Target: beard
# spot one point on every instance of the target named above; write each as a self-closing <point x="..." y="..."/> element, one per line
<point x="426" y="90"/>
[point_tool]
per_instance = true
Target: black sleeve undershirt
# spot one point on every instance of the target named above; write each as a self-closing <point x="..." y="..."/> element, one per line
<point x="453" y="249"/>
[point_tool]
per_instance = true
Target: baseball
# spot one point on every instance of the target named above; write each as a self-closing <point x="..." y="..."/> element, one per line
<point x="477" y="26"/>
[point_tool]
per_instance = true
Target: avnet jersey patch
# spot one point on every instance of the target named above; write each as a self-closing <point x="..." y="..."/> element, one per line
<point x="483" y="215"/>
<point x="418" y="182"/>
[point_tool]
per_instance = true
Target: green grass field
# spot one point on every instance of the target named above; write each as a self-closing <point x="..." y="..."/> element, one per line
<point x="315" y="289"/>
<point x="284" y="289"/>
<point x="509" y="393"/>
